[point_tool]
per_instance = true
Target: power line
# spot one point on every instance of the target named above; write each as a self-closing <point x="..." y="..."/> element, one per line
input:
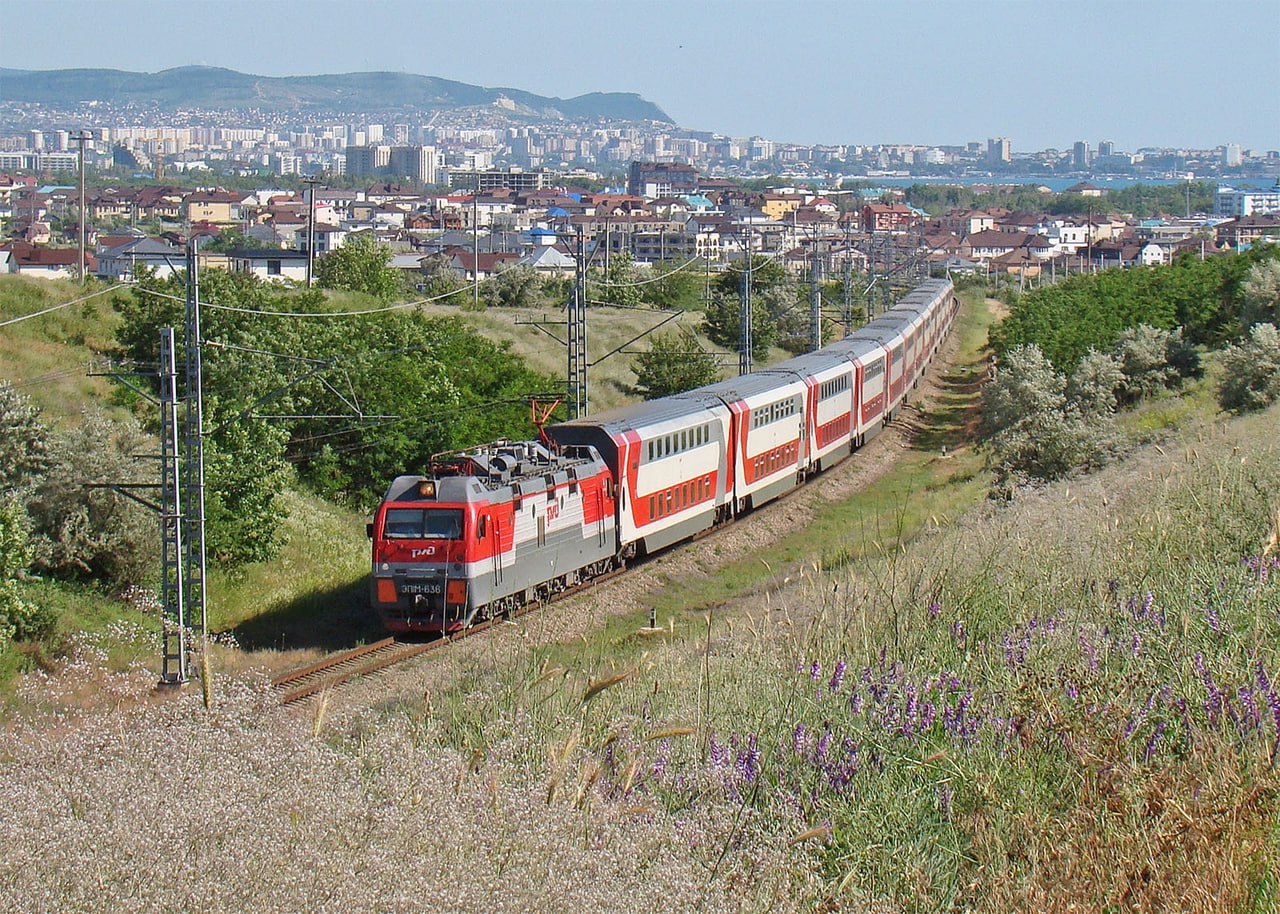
<point x="652" y="279"/>
<point x="398" y="307"/>
<point x="67" y="304"/>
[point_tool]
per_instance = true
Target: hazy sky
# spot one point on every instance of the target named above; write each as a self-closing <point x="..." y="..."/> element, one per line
<point x="1192" y="73"/>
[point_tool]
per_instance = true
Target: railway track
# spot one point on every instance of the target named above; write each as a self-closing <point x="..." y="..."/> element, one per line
<point x="338" y="669"/>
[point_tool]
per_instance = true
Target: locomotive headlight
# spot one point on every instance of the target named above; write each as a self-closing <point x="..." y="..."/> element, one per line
<point x="427" y="488"/>
<point x="385" y="566"/>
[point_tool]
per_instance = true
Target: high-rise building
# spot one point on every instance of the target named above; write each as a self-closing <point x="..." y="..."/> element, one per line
<point x="418" y="163"/>
<point x="1232" y="155"/>
<point x="1106" y="148"/>
<point x="661" y="179"/>
<point x="1080" y="155"/>
<point x="364" y="161"/>
<point x="999" y="149"/>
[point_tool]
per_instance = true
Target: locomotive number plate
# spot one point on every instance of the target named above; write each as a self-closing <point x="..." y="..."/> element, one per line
<point x="422" y="587"/>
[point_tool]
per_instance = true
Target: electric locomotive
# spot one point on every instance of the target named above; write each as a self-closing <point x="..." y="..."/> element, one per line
<point x="488" y="531"/>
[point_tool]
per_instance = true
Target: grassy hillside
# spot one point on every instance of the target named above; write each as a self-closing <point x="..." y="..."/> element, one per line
<point x="49" y="357"/>
<point x="1064" y="702"/>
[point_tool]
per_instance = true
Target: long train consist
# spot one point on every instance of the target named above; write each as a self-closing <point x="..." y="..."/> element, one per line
<point x="512" y="523"/>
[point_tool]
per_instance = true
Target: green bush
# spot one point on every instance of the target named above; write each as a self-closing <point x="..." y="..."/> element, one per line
<point x="87" y="532"/>
<point x="24" y="442"/>
<point x="20" y="619"/>
<point x="1033" y="430"/>
<point x="1251" y="371"/>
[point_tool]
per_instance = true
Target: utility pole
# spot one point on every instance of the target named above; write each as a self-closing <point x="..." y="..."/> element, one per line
<point x="744" y="311"/>
<point x="192" y="479"/>
<point x="848" y="283"/>
<point x="815" y="299"/>
<point x="311" y="227"/>
<point x="82" y="137"/>
<point x="175" y="652"/>
<point x="475" y="242"/>
<point x="577" y="333"/>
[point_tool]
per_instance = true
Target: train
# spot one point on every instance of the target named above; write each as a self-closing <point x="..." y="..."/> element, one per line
<point x="488" y="531"/>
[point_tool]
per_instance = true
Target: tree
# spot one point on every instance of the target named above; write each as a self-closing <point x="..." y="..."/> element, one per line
<point x="1251" y="371"/>
<point x="674" y="363"/>
<point x="773" y="306"/>
<point x="675" y="287"/>
<point x="1262" y="294"/>
<point x="722" y="319"/>
<point x="1092" y="386"/>
<point x="1141" y="353"/>
<point x="360" y="265"/>
<point x="227" y="239"/>
<point x="619" y="284"/>
<point x="245" y="474"/>
<point x="515" y="287"/>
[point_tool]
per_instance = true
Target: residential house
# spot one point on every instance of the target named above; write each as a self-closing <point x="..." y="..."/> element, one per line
<point x="985" y="246"/>
<point x="473" y="268"/>
<point x="779" y="206"/>
<point x="887" y="217"/>
<point x="45" y="263"/>
<point x="219" y="207"/>
<point x="270" y="264"/>
<point x="1085" y="189"/>
<point x="120" y="260"/>
<point x="1248" y="230"/>
<point x="163" y="203"/>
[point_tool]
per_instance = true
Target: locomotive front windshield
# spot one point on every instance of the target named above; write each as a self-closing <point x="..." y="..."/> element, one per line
<point x="423" y="523"/>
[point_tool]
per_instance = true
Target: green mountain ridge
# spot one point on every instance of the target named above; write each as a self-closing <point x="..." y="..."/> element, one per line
<point x="217" y="87"/>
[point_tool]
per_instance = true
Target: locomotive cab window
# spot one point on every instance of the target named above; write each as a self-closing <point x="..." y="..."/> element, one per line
<point x="423" y="523"/>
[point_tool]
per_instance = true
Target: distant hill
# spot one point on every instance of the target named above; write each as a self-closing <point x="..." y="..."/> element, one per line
<point x="218" y="88"/>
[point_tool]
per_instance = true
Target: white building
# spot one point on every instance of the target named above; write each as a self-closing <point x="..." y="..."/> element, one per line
<point x="1234" y="203"/>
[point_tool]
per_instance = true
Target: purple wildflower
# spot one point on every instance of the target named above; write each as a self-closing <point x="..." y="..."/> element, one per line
<point x="823" y="745"/>
<point x="934" y="609"/>
<point x="717" y="752"/>
<point x="928" y="714"/>
<point x="1250" y="705"/>
<point x="837" y="677"/>
<point x="815" y="670"/>
<point x="800" y="739"/>
<point x="1153" y="742"/>
<point x="664" y="757"/>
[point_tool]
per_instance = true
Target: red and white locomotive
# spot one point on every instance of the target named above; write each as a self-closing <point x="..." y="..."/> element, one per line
<point x="513" y="522"/>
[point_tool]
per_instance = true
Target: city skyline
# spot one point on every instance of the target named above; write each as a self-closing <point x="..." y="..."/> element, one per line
<point x="1138" y="74"/>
